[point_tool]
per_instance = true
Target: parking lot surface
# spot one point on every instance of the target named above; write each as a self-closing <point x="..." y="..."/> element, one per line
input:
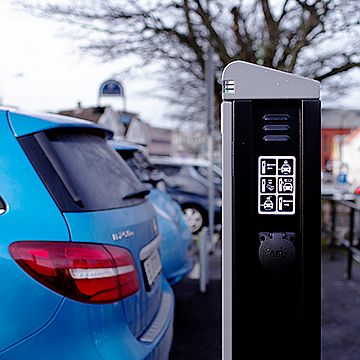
<point x="197" y="325"/>
<point x="340" y="309"/>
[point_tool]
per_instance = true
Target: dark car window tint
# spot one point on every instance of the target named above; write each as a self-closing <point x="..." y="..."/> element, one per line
<point x="203" y="171"/>
<point x="92" y="173"/>
<point x="169" y="170"/>
<point x="137" y="163"/>
<point x="141" y="166"/>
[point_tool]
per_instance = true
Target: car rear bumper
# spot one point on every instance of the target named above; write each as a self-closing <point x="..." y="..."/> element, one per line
<point x="98" y="332"/>
<point x="175" y="253"/>
<point x="177" y="276"/>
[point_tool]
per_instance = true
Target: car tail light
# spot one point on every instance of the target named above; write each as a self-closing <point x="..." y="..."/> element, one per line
<point x="90" y="273"/>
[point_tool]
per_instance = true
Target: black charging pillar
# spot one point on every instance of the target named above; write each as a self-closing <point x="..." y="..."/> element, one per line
<point x="271" y="174"/>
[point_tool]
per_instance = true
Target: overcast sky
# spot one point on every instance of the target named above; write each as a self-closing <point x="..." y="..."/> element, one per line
<point x="55" y="76"/>
<point x="40" y="70"/>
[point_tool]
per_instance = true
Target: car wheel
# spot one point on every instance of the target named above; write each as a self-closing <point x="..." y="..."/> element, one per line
<point x="194" y="218"/>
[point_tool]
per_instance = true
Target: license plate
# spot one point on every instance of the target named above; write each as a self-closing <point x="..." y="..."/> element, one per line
<point x="152" y="267"/>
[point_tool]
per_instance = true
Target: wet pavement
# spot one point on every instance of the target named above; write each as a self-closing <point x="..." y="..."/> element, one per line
<point x="340" y="309"/>
<point x="197" y="324"/>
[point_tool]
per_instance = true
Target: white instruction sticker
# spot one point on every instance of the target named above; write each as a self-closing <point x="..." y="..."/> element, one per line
<point x="276" y="185"/>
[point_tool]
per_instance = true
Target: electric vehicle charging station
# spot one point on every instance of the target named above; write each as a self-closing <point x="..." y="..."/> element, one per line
<point x="271" y="127"/>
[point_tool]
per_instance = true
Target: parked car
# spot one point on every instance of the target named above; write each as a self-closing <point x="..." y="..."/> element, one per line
<point x="187" y="184"/>
<point x="176" y="237"/>
<point x="79" y="263"/>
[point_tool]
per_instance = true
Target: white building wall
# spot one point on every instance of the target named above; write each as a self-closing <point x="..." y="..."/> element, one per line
<point x="110" y="120"/>
<point x="138" y="132"/>
<point x="351" y="158"/>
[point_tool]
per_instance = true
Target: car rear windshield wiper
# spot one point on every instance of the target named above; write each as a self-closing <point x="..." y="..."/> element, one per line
<point x="140" y="193"/>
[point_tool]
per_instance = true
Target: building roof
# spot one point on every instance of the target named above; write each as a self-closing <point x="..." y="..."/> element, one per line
<point x="92" y="113"/>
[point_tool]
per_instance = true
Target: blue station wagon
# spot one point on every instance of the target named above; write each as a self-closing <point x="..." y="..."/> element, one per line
<point x="79" y="261"/>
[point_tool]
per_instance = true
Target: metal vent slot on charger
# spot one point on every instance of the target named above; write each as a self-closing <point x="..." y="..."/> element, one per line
<point x="279" y="131"/>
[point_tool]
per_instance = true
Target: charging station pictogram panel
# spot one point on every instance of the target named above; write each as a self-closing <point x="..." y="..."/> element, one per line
<point x="276" y="185"/>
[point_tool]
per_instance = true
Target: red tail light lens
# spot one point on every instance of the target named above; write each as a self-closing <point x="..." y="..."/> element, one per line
<point x="90" y="273"/>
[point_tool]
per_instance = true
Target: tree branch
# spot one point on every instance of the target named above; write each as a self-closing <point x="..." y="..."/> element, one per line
<point x="177" y="33"/>
<point x="217" y="42"/>
<point x="272" y="32"/>
<point x="242" y="37"/>
<point x="337" y="70"/>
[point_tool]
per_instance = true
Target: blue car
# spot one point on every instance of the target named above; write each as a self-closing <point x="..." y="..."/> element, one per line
<point x="176" y="238"/>
<point x="80" y="269"/>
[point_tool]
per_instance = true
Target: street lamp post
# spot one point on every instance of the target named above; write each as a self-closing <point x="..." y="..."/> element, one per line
<point x="210" y="128"/>
<point x="210" y="78"/>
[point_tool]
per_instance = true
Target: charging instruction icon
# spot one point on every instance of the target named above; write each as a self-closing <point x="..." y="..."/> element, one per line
<point x="286" y="185"/>
<point x="285" y="203"/>
<point x="268" y="203"/>
<point x="268" y="167"/>
<point x="268" y="185"/>
<point x="276" y="185"/>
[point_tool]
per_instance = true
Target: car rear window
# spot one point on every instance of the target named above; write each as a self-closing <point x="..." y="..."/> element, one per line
<point x="81" y="171"/>
<point x="138" y="163"/>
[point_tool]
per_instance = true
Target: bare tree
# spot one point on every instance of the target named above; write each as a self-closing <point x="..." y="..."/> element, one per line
<point x="315" y="38"/>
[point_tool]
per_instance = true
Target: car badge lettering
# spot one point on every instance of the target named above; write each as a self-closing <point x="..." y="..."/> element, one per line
<point x="122" y="235"/>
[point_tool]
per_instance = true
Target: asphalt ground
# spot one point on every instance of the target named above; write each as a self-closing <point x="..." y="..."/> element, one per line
<point x="340" y="309"/>
<point x="197" y="324"/>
